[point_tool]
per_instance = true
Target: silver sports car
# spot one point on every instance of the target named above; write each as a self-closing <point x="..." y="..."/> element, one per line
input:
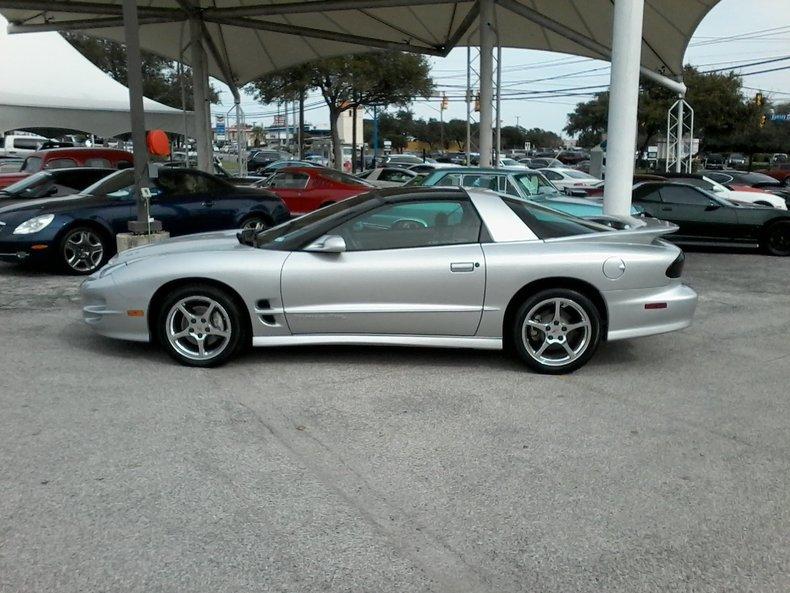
<point x="443" y="267"/>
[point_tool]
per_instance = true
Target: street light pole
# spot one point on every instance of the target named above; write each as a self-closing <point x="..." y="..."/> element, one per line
<point x="486" y="80"/>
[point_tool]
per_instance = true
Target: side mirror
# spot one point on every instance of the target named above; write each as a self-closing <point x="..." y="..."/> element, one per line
<point x="327" y="244"/>
<point x="713" y="206"/>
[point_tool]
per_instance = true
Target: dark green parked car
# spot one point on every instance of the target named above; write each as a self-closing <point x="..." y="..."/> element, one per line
<point x="704" y="217"/>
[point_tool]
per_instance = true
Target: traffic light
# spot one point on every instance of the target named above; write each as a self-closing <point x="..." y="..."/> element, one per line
<point x="758" y="99"/>
<point x="477" y="102"/>
<point x="763" y="119"/>
<point x="445" y="101"/>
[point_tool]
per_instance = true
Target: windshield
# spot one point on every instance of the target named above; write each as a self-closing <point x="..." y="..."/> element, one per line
<point x="535" y="184"/>
<point x="293" y="233"/>
<point x="32" y="186"/>
<point x="116" y="185"/>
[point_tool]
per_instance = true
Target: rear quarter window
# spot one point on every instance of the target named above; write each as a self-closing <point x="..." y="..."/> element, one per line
<point x="547" y="223"/>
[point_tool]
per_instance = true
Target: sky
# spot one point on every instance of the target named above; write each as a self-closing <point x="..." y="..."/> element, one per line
<point x="735" y="32"/>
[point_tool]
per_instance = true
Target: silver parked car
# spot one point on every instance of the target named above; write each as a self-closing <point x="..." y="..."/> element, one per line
<point x="445" y="267"/>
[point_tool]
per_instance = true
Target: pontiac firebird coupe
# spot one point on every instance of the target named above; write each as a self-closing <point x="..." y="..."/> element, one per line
<point x="443" y="267"/>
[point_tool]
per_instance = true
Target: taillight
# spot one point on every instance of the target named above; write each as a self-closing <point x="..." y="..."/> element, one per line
<point x="675" y="269"/>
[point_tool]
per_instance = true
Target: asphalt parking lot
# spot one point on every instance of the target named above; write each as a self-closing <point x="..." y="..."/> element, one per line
<point x="664" y="465"/>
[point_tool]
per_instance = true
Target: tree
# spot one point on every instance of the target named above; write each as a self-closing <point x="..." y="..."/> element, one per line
<point x="345" y="82"/>
<point x="716" y="98"/>
<point x="160" y="75"/>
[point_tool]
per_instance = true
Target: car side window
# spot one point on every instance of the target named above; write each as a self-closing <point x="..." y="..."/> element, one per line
<point x="394" y="175"/>
<point x="453" y="179"/>
<point x="683" y="196"/>
<point x="481" y="182"/>
<point x="552" y="175"/>
<point x="288" y="180"/>
<point x="647" y="194"/>
<point x="404" y="225"/>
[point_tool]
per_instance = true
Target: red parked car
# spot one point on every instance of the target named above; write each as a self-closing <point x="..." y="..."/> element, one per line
<point x="780" y="172"/>
<point x="62" y="158"/>
<point x="304" y="189"/>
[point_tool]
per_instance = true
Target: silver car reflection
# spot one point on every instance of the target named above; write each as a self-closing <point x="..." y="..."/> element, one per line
<point x="444" y="267"/>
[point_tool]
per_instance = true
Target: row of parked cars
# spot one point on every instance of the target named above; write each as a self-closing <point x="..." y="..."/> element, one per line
<point x="68" y="215"/>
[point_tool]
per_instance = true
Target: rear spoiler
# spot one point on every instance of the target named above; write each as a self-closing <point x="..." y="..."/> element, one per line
<point x="635" y="230"/>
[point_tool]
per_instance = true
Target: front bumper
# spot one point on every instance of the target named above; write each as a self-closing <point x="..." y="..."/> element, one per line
<point x="628" y="317"/>
<point x="106" y="311"/>
<point x="24" y="250"/>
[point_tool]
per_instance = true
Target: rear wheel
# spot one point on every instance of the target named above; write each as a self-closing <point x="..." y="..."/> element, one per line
<point x="83" y="250"/>
<point x="200" y="325"/>
<point x="776" y="240"/>
<point x="556" y="331"/>
<point x="257" y="223"/>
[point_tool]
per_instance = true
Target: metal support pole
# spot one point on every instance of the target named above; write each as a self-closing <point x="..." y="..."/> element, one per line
<point x="468" y="103"/>
<point x="679" y="156"/>
<point x="354" y="140"/>
<point x="498" y="103"/>
<point x="137" y="113"/>
<point x="375" y="136"/>
<point x="300" y="131"/>
<point x="623" y="101"/>
<point x="486" y="80"/>
<point x="200" y="100"/>
<point x="241" y="141"/>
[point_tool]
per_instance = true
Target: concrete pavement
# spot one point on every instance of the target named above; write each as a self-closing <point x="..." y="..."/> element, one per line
<point x="664" y="465"/>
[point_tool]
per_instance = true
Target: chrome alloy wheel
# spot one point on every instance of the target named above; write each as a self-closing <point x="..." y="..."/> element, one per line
<point x="556" y="331"/>
<point x="255" y="224"/>
<point x="198" y="328"/>
<point x="83" y="250"/>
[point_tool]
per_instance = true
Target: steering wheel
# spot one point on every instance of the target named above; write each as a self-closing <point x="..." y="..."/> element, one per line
<point x="408" y="224"/>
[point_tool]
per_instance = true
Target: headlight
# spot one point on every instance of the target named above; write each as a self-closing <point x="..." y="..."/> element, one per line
<point x="34" y="225"/>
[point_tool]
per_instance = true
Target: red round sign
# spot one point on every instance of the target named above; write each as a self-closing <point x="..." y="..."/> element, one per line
<point x="158" y="143"/>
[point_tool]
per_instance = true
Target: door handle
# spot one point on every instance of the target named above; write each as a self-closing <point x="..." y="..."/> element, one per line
<point x="466" y="266"/>
<point x="208" y="203"/>
<point x="667" y="208"/>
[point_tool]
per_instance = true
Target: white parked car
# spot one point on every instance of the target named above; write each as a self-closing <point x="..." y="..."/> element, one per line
<point x="14" y="145"/>
<point x="761" y="198"/>
<point x="431" y="167"/>
<point x="508" y="163"/>
<point x="571" y="178"/>
<point x="387" y="176"/>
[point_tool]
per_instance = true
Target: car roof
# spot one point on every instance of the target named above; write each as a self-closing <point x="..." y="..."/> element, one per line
<point x="80" y="150"/>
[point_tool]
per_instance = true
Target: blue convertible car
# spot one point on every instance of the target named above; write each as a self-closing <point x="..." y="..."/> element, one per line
<point x="77" y="233"/>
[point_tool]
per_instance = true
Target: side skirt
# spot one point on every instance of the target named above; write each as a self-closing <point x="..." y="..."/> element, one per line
<point x="380" y="340"/>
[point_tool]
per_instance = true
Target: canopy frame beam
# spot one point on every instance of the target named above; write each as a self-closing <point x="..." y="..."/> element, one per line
<point x="287" y="8"/>
<point x="91" y="23"/>
<point x="579" y="38"/>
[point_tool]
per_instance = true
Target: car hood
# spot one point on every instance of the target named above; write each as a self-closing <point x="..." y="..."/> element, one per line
<point x="197" y="243"/>
<point x="50" y="205"/>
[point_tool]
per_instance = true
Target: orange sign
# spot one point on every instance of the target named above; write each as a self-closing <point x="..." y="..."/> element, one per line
<point x="158" y="143"/>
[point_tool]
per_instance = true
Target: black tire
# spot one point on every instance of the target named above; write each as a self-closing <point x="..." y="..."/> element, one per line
<point x="226" y="316"/>
<point x="255" y="220"/>
<point x="82" y="250"/>
<point x="776" y="239"/>
<point x="554" y="335"/>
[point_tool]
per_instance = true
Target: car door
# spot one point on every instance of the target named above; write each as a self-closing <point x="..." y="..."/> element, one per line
<point x="697" y="214"/>
<point x="410" y="268"/>
<point x="295" y="189"/>
<point x="180" y="199"/>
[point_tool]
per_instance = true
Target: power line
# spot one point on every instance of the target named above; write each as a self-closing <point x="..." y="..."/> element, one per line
<point x="760" y="63"/>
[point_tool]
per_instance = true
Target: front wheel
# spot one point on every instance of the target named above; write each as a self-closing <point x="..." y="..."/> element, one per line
<point x="83" y="250"/>
<point x="256" y="223"/>
<point x="556" y="331"/>
<point x="776" y="240"/>
<point x="200" y="325"/>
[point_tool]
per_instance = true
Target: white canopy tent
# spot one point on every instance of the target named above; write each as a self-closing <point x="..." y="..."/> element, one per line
<point x="238" y="40"/>
<point x="62" y="89"/>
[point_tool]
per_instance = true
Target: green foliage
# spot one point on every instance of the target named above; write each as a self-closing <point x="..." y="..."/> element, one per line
<point x="386" y="79"/>
<point x="401" y="127"/>
<point x="724" y="119"/>
<point x="160" y="75"/>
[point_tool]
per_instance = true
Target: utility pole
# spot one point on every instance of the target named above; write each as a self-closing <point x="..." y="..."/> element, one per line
<point x="300" y="131"/>
<point x="468" y="103"/>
